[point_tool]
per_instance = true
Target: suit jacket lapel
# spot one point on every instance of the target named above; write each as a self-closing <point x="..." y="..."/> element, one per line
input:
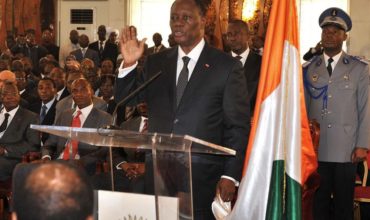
<point x="14" y="124"/>
<point x="170" y="68"/>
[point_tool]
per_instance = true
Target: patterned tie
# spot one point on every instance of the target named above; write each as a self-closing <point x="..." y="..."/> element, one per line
<point x="5" y="122"/>
<point x="330" y="69"/>
<point x="83" y="52"/>
<point x="43" y="113"/>
<point x="70" y="149"/>
<point x="183" y="80"/>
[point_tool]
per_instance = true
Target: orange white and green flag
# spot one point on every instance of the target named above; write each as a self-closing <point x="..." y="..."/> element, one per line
<point x="280" y="155"/>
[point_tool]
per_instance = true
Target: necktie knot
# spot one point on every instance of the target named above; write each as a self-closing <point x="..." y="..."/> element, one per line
<point x="239" y="57"/>
<point x="186" y="60"/>
<point x="330" y="60"/>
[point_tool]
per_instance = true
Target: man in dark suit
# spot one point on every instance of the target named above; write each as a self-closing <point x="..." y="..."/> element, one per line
<point x="105" y="49"/>
<point x="34" y="51"/>
<point x="158" y="46"/>
<point x="45" y="108"/>
<point x="237" y="38"/>
<point x="16" y="136"/>
<point x="202" y="92"/>
<point x="88" y="117"/>
<point x="58" y="75"/>
<point x="28" y="94"/>
<point x="48" y="43"/>
<point x="85" y="52"/>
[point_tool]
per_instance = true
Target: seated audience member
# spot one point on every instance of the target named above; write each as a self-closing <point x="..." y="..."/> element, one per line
<point x="88" y="68"/>
<point x="32" y="77"/>
<point x="28" y="94"/>
<point x="72" y="66"/>
<point x="58" y="75"/>
<point x="4" y="65"/>
<point x="106" y="67"/>
<point x="17" y="65"/>
<point x="45" y="107"/>
<point x="20" y="45"/>
<point x="106" y="91"/>
<point x="68" y="103"/>
<point x="6" y="76"/>
<point x="85" y="115"/>
<point x="85" y="52"/>
<point x="48" y="42"/>
<point x="54" y="191"/>
<point x="16" y="136"/>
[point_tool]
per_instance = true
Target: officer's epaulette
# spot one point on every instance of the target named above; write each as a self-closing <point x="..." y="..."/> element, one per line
<point x="309" y="62"/>
<point x="361" y="59"/>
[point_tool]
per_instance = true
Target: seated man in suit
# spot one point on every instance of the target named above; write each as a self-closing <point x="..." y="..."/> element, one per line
<point x="45" y="107"/>
<point x="58" y="75"/>
<point x="38" y="198"/>
<point x="68" y="103"/>
<point x="85" y="52"/>
<point x="85" y="115"/>
<point x="16" y="136"/>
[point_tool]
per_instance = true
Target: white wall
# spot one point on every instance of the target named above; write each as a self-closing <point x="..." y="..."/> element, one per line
<point x="111" y="13"/>
<point x="359" y="43"/>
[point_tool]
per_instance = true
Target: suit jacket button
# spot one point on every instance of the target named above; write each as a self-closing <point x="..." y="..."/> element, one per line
<point x="329" y="125"/>
<point x="175" y="121"/>
<point x="329" y="96"/>
<point x="330" y="81"/>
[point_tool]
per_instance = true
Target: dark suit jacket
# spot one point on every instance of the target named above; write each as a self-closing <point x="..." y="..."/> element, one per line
<point x="49" y="117"/>
<point x="18" y="139"/>
<point x="91" y="54"/>
<point x="89" y="154"/>
<point x="64" y="94"/>
<point x="252" y="69"/>
<point x="110" y="51"/>
<point x="151" y="49"/>
<point x="30" y="95"/>
<point x="214" y="107"/>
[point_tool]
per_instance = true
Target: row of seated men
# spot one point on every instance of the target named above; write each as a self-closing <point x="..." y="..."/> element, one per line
<point x="80" y="109"/>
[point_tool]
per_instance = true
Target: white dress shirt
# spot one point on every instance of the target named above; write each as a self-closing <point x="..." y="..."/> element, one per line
<point x="48" y="105"/>
<point x="244" y="55"/>
<point x="335" y="59"/>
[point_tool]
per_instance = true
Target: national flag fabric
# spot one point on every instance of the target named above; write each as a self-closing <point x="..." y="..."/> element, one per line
<point x="280" y="155"/>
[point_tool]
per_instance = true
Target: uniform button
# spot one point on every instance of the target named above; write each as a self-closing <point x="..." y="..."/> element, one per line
<point x="175" y="121"/>
<point x="329" y="112"/>
<point x="329" y="125"/>
<point x="329" y="95"/>
<point x="346" y="86"/>
<point x="330" y="81"/>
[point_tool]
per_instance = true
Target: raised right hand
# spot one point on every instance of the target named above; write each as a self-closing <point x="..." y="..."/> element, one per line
<point x="131" y="48"/>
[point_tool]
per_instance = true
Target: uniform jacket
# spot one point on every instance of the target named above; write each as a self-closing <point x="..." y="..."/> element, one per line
<point x="344" y="124"/>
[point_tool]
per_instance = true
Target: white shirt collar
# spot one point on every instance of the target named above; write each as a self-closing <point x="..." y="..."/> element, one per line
<point x="244" y="55"/>
<point x="335" y="58"/>
<point x="49" y="104"/>
<point x="11" y="112"/>
<point x="59" y="93"/>
<point x="21" y="92"/>
<point x="194" y="55"/>
<point x="84" y="112"/>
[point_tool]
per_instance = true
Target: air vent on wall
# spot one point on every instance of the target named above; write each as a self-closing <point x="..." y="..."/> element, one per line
<point x="82" y="16"/>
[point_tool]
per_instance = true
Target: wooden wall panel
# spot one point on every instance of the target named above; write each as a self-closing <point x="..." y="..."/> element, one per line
<point x="26" y="16"/>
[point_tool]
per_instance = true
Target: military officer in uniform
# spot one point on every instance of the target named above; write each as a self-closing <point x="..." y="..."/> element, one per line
<point x="336" y="90"/>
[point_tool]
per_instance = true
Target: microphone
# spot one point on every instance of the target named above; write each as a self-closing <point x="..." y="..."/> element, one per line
<point x="129" y="97"/>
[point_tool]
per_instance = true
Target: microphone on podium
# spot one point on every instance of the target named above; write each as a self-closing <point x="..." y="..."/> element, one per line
<point x="128" y="98"/>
